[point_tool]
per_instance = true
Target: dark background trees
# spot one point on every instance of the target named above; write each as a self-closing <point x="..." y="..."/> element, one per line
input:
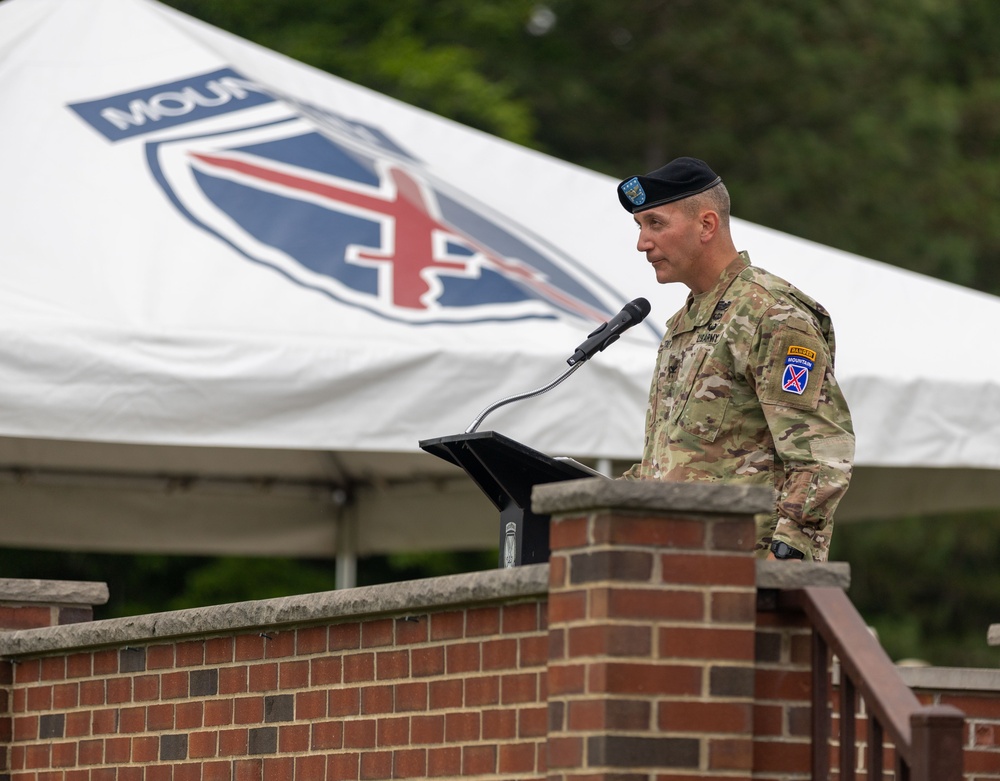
<point x="870" y="127"/>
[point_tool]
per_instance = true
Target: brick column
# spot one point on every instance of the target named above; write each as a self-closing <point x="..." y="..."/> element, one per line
<point x="652" y="609"/>
<point x="32" y="604"/>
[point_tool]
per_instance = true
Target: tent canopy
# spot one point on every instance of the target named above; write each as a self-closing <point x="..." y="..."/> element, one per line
<point x="237" y="291"/>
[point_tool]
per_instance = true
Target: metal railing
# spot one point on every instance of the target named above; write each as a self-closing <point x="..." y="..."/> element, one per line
<point x="927" y="740"/>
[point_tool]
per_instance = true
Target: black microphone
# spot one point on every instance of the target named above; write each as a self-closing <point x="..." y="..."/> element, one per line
<point x="633" y="313"/>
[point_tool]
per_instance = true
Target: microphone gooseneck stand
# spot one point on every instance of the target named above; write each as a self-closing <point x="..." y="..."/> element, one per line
<point x="632" y="313"/>
<point x="517" y="397"/>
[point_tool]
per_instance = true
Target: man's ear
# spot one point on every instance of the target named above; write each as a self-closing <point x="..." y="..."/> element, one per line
<point x="709" y="225"/>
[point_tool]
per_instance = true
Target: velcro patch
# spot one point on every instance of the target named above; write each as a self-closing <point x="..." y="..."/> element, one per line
<point x="795" y="371"/>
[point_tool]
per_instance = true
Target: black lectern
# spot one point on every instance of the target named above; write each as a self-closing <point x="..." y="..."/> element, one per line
<point x="506" y="470"/>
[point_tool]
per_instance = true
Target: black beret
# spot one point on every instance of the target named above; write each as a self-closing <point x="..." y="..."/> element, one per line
<point x="680" y="178"/>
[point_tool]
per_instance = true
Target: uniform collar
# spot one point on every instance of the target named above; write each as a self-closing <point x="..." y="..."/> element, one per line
<point x="699" y="308"/>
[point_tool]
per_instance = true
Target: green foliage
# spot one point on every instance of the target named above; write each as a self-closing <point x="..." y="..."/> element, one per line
<point x="136" y="584"/>
<point x="141" y="584"/>
<point x="225" y="580"/>
<point x="930" y="586"/>
<point x="396" y="48"/>
<point x="429" y="565"/>
<point x="839" y="122"/>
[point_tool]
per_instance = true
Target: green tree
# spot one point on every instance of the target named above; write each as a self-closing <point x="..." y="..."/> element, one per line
<point x="391" y="48"/>
<point x="930" y="586"/>
<point x="865" y="126"/>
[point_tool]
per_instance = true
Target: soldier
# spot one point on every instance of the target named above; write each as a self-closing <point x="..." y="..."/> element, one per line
<point x="744" y="389"/>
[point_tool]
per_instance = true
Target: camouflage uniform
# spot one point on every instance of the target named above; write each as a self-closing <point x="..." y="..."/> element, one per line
<point x="744" y="392"/>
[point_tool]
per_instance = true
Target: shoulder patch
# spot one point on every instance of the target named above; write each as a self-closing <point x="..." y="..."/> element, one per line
<point x="795" y="371"/>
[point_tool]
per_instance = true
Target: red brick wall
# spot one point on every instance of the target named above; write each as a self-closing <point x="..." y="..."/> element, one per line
<point x="782" y="697"/>
<point x="457" y="693"/>
<point x="454" y="693"/>
<point x="981" y="736"/>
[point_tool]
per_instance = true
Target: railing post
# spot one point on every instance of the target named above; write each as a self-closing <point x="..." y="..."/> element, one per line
<point x="848" y="730"/>
<point x="875" y="749"/>
<point x="820" y="709"/>
<point x="937" y="744"/>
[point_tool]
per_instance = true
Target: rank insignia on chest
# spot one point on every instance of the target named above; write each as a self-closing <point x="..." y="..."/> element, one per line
<point x="720" y="309"/>
<point x="798" y="364"/>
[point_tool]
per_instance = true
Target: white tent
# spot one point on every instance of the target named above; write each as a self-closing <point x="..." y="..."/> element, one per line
<point x="237" y="291"/>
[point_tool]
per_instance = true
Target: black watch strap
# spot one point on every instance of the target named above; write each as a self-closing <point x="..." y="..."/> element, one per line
<point x="782" y="550"/>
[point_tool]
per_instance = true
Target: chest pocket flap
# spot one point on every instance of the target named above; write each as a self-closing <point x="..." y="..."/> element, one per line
<point x="708" y="393"/>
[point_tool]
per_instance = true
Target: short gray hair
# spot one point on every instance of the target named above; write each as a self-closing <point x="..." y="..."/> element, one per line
<point x="715" y="198"/>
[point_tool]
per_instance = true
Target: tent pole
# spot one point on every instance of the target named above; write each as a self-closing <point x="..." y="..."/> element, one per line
<point x="347" y="569"/>
<point x="346" y="573"/>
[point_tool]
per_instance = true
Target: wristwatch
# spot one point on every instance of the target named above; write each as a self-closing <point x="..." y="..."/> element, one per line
<point x="782" y="550"/>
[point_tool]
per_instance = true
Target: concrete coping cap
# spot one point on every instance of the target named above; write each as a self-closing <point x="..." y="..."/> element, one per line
<point x="52" y="592"/>
<point x="702" y="498"/>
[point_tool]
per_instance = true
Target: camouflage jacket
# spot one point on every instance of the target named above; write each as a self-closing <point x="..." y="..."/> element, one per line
<point x="744" y="392"/>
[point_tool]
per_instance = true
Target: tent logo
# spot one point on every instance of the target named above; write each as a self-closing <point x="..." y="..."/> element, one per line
<point x="336" y="206"/>
<point x="135" y="113"/>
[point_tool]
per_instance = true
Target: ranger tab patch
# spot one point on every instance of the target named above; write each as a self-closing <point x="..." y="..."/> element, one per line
<point x="798" y="363"/>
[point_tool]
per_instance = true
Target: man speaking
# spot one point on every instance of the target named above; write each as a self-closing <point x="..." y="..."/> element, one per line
<point x="744" y="389"/>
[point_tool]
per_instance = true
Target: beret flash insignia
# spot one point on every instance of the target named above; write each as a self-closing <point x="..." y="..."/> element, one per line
<point x="634" y="192"/>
